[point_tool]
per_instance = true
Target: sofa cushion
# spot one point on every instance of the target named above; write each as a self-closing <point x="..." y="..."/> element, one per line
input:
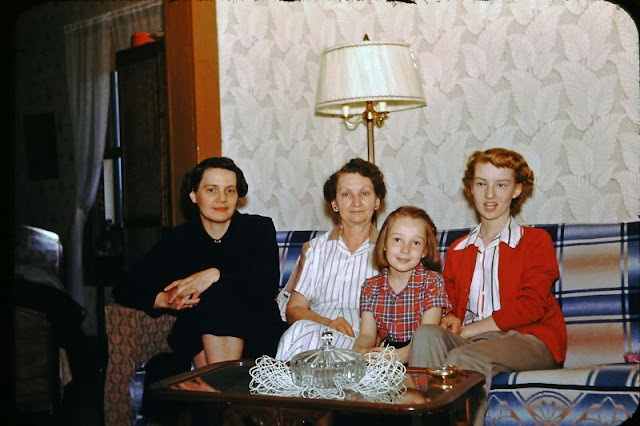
<point x="601" y="394"/>
<point x="290" y="247"/>
<point x="599" y="291"/>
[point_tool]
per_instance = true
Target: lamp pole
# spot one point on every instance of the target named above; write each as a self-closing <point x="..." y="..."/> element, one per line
<point x="368" y="116"/>
<point x="371" y="116"/>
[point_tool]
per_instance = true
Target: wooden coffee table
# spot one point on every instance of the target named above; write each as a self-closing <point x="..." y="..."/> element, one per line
<point x="220" y="391"/>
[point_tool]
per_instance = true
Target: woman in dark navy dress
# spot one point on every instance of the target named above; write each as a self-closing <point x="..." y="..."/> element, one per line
<point x="218" y="273"/>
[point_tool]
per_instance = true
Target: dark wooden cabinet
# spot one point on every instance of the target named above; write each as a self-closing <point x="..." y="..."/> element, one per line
<point x="145" y="149"/>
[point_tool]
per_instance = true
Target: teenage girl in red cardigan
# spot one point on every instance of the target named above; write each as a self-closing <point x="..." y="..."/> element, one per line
<point x="499" y="280"/>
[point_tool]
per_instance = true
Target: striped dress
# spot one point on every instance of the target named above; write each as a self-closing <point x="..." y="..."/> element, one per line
<point x="331" y="279"/>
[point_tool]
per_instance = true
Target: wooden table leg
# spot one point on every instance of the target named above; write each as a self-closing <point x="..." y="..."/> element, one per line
<point x="461" y="415"/>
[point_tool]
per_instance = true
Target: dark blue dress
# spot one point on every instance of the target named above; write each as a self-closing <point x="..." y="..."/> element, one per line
<point x="241" y="304"/>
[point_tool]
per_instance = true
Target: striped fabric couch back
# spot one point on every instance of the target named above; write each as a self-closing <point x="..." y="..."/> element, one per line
<point x="598" y="288"/>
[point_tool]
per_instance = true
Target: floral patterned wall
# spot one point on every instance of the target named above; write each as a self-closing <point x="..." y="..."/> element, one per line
<point x="556" y="80"/>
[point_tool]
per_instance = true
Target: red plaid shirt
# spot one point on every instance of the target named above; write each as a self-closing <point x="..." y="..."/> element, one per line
<point x="398" y="315"/>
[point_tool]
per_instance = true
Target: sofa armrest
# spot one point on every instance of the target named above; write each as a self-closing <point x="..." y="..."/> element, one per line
<point x="132" y="337"/>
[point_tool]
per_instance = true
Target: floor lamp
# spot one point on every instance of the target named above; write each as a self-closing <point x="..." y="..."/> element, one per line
<point x="364" y="82"/>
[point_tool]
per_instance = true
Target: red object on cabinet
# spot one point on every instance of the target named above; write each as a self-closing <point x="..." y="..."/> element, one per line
<point x="141" y="38"/>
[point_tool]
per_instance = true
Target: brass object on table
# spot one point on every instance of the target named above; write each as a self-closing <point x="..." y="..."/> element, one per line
<point x="443" y="372"/>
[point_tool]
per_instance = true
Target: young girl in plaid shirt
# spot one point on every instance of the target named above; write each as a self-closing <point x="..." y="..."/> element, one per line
<point x="409" y="291"/>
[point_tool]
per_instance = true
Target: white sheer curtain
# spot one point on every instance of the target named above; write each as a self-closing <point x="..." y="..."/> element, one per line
<point x="90" y="52"/>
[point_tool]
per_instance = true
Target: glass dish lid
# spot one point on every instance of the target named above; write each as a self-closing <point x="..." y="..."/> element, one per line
<point x="324" y="366"/>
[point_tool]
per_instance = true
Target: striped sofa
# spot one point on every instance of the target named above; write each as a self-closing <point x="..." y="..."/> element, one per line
<point x="598" y="289"/>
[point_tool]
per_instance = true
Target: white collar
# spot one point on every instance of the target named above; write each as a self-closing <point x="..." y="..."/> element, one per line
<point x="510" y="235"/>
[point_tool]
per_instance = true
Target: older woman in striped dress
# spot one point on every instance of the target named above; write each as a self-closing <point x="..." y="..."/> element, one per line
<point x="324" y="290"/>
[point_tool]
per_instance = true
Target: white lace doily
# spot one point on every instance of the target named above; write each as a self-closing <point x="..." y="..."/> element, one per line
<point x="382" y="381"/>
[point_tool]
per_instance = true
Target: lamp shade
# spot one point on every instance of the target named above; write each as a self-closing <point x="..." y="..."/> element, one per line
<point x="370" y="71"/>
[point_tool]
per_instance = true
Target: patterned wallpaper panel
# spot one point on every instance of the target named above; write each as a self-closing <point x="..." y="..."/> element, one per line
<point x="556" y="80"/>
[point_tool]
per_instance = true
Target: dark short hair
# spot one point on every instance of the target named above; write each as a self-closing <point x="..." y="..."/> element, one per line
<point x="432" y="260"/>
<point x="363" y="168"/>
<point x="191" y="182"/>
<point x="502" y="158"/>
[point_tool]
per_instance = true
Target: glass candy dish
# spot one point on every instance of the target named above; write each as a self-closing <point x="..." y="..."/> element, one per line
<point x="321" y="366"/>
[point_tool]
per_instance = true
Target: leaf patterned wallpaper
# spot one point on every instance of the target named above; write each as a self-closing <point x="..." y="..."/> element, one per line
<point x="556" y="80"/>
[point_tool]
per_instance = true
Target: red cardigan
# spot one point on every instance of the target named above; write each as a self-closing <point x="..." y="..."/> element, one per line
<point x="526" y="275"/>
